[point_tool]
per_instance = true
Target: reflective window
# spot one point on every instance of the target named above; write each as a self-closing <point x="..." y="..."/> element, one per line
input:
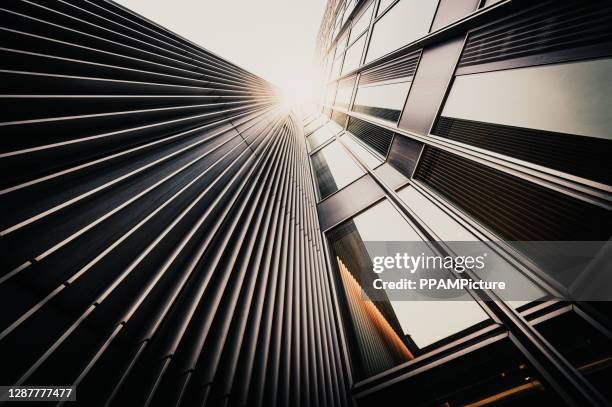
<point x="572" y="98"/>
<point x="439" y="221"/>
<point x="349" y="7"/>
<point x="345" y="91"/>
<point x="449" y="230"/>
<point x="376" y="137"/>
<point x="330" y="63"/>
<point x="384" y="100"/>
<point x="363" y="21"/>
<point x="314" y="124"/>
<point x="328" y="69"/>
<point x="339" y="15"/>
<point x="384" y="4"/>
<point x="329" y="94"/>
<point x="323" y="134"/>
<point x="383" y="89"/>
<point x="406" y="323"/>
<point x="368" y="157"/>
<point x="353" y="55"/>
<point x="335" y="72"/>
<point x="341" y="46"/>
<point x="405" y="22"/>
<point x="335" y="127"/>
<point x="339" y="118"/>
<point x="334" y="169"/>
<point x="335" y="32"/>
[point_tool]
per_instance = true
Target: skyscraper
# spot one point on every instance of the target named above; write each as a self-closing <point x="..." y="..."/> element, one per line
<point x="159" y="236"/>
<point x="459" y="121"/>
<point x="172" y="235"/>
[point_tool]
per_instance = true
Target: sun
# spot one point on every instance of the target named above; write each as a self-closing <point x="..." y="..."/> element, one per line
<point x="300" y="92"/>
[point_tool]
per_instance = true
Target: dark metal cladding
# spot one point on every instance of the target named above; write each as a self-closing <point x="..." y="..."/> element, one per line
<point x="159" y="237"/>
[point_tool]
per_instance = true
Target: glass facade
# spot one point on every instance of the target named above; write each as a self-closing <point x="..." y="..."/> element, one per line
<point x="321" y="135"/>
<point x="345" y="92"/>
<point x="369" y="158"/>
<point x="414" y="318"/>
<point x="405" y="22"/>
<point x="337" y="66"/>
<point x="384" y="99"/>
<point x="352" y="60"/>
<point x="383" y="6"/>
<point x="512" y="144"/>
<point x="334" y="169"/>
<point x="576" y="94"/>
<point x="330" y="93"/>
<point x="362" y="22"/>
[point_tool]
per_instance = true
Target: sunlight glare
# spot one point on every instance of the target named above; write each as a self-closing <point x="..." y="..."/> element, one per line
<point x="300" y="92"/>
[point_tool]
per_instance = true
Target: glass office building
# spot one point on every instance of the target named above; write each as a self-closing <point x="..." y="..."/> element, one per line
<point x="171" y="236"/>
<point x="471" y="121"/>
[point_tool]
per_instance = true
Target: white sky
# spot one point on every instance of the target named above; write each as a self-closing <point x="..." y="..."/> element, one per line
<point x="274" y="39"/>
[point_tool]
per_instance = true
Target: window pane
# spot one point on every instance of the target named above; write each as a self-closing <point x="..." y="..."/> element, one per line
<point x="382" y="100"/>
<point x="383" y="6"/>
<point x="339" y="15"/>
<point x="329" y="94"/>
<point x="439" y="221"/>
<point x="353" y="55"/>
<point x="335" y="32"/>
<point x="376" y="137"/>
<point x="410" y="321"/>
<point x="345" y="91"/>
<point x="322" y="135"/>
<point x="362" y="23"/>
<point x="349" y="7"/>
<point x="314" y="124"/>
<point x="341" y="44"/>
<point x="449" y="230"/>
<point x="572" y="98"/>
<point x="407" y="21"/>
<point x="334" y="127"/>
<point x="328" y="70"/>
<point x="339" y="118"/>
<point x="336" y="69"/>
<point x="369" y="158"/>
<point x="330" y="58"/>
<point x="334" y="169"/>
